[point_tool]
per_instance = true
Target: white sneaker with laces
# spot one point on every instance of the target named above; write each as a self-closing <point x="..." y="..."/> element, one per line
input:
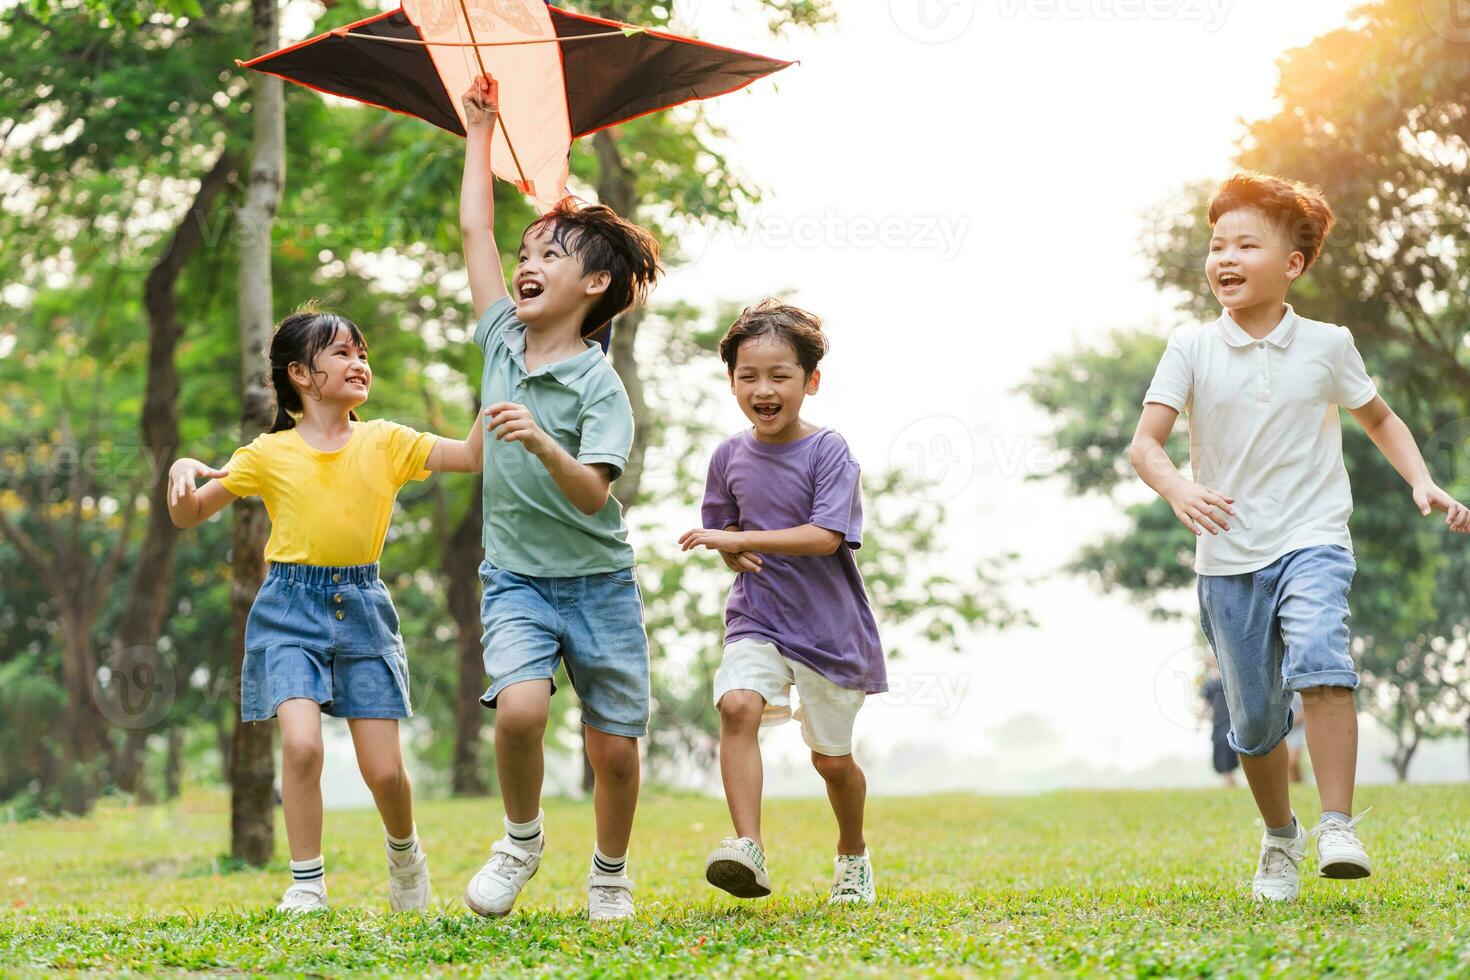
<point x="408" y="884"/>
<point x="304" y="897"/>
<point x="609" y="898"/>
<point x="1277" y="878"/>
<point x="853" y="881"/>
<point x="1339" y="852"/>
<point x="738" y="866"/>
<point x="493" y="889"/>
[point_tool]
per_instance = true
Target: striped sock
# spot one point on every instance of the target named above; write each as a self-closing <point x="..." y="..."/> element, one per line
<point x="526" y="835"/>
<point x="309" y="872"/>
<point x="402" y="850"/>
<point x="605" y="865"/>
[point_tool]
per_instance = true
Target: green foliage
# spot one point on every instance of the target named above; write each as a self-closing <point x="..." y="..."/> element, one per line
<point x="1082" y="883"/>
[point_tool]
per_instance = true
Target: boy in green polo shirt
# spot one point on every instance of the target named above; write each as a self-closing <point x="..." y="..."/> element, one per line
<point x="558" y="572"/>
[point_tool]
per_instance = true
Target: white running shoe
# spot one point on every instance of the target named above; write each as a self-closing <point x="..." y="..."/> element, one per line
<point x="853" y="881"/>
<point x="609" y="898"/>
<point x="304" y="897"/>
<point x="493" y="889"/>
<point x="1277" y="878"/>
<point x="1339" y="852"/>
<point x="738" y="866"/>
<point x="408" y="884"/>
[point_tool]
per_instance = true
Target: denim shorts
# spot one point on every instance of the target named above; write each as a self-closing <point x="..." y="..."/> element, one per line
<point x="325" y="633"/>
<point x="1277" y="630"/>
<point x="591" y="623"/>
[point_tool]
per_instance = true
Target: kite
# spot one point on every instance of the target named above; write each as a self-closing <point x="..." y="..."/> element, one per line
<point x="562" y="75"/>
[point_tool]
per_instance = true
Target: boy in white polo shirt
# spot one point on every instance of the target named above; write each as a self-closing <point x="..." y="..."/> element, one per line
<point x="1269" y="504"/>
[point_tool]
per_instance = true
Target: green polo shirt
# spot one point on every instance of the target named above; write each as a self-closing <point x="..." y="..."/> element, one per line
<point x="531" y="528"/>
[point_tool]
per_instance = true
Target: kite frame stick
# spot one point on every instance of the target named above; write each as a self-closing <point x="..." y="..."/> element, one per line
<point x="525" y="185"/>
<point x="344" y="32"/>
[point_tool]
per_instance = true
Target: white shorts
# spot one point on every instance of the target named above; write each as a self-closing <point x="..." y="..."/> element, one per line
<point x="825" y="710"/>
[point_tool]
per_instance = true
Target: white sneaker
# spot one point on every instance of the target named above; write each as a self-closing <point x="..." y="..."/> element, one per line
<point x="738" y="866"/>
<point x="408" y="884"/>
<point x="609" y="898"/>
<point x="493" y="889"/>
<point x="1339" y="852"/>
<point x="853" y="881"/>
<point x="1277" y="876"/>
<point x="304" y="897"/>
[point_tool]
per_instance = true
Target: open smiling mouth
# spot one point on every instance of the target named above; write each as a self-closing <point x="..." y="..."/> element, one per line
<point x="1230" y="279"/>
<point x="530" y="289"/>
<point x="766" y="413"/>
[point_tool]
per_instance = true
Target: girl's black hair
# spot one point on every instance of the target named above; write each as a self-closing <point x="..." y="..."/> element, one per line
<point x="298" y="339"/>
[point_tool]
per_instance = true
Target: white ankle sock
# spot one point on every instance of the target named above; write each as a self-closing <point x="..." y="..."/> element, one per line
<point x="403" y="850"/>
<point x="312" y="871"/>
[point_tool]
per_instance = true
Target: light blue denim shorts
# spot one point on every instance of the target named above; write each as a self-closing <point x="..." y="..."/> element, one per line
<point x="325" y="633"/>
<point x="593" y="624"/>
<point x="1275" y="631"/>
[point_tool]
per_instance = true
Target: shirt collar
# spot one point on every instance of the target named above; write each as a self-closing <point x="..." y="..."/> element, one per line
<point x="1279" y="338"/>
<point x="565" y="371"/>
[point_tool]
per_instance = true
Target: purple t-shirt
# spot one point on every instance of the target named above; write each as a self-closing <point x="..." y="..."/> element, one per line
<point x="813" y="608"/>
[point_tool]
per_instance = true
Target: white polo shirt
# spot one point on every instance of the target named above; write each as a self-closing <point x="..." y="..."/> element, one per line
<point x="1264" y="428"/>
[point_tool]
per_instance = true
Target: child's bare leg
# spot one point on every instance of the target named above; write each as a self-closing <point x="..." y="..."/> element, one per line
<point x="1332" y="738"/>
<point x="614" y="760"/>
<point x="380" y="759"/>
<point x="847" y="789"/>
<point x="1266" y="775"/>
<point x="300" y="720"/>
<point x="740" y="760"/>
<point x="521" y="711"/>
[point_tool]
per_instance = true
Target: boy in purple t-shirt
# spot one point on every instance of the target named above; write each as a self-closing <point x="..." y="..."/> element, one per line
<point x="783" y="506"/>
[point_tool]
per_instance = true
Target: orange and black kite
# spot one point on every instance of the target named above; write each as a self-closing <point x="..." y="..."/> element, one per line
<point x="562" y="75"/>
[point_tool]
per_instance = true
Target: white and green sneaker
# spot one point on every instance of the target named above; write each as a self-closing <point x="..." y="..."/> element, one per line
<point x="738" y="866"/>
<point x="853" y="880"/>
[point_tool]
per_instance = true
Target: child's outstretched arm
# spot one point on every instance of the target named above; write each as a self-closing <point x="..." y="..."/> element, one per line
<point x="477" y="196"/>
<point x="1197" y="507"/>
<point x="465" y="455"/>
<point x="808" y="539"/>
<point x="1396" y="443"/>
<point x="188" y="507"/>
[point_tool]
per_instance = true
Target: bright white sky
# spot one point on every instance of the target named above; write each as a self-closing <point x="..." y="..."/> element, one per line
<point x="959" y="187"/>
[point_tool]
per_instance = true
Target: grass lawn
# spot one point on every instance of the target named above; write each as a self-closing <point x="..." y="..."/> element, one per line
<point x="1153" y="883"/>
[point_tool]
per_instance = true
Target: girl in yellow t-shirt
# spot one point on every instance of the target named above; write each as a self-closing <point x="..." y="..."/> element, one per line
<point x="323" y="634"/>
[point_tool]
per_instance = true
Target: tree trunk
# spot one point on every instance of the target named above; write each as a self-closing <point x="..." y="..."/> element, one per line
<point x="460" y="565"/>
<point x="173" y="764"/>
<point x="252" y="765"/>
<point x="1403" y="755"/>
<point x="145" y="609"/>
<point x="81" y="722"/>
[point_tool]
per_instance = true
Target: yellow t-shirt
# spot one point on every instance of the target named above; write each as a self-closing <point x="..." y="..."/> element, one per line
<point x="329" y="508"/>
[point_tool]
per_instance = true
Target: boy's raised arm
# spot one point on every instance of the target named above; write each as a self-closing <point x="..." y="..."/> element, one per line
<point x="477" y="196"/>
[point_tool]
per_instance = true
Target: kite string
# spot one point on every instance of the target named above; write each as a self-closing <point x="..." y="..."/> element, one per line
<point x="476" y="44"/>
<point x="525" y="184"/>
